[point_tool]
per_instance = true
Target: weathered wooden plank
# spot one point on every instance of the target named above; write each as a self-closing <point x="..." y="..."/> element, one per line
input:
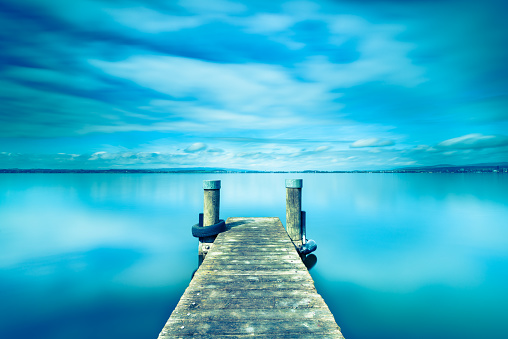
<point x="232" y="259"/>
<point x="260" y="303"/>
<point x="269" y="267"/>
<point x="259" y="252"/>
<point x="255" y="260"/>
<point x="320" y="335"/>
<point x="260" y="292"/>
<point x="249" y="314"/>
<point x="250" y="272"/>
<point x="252" y="284"/>
<point x="241" y="279"/>
<point x="245" y="327"/>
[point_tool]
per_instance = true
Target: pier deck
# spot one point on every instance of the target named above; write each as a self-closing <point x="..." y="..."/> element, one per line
<point x="252" y="284"/>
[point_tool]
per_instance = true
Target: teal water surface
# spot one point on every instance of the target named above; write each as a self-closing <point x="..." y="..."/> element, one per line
<point x="109" y="255"/>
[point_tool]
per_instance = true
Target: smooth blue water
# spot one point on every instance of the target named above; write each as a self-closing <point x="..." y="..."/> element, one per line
<point x="399" y="255"/>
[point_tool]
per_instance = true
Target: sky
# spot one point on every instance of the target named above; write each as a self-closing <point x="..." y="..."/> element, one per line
<point x="256" y="85"/>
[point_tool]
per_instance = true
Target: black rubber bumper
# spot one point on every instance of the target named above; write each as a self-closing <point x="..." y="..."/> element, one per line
<point x="207" y="231"/>
<point x="307" y="248"/>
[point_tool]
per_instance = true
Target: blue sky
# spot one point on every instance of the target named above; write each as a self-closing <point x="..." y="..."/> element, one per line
<point x="265" y="85"/>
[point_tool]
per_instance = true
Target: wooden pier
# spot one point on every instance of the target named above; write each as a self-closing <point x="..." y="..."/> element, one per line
<point x="252" y="284"/>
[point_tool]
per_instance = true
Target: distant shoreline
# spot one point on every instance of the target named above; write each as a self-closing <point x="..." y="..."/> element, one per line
<point x="463" y="169"/>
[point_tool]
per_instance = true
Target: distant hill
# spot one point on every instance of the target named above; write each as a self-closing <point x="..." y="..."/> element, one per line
<point x="127" y="170"/>
<point x="458" y="168"/>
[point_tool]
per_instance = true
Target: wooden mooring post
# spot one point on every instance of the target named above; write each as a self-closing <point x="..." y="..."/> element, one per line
<point x="211" y="207"/>
<point x="294" y="216"/>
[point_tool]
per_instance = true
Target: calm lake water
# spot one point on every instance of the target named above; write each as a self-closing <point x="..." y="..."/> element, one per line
<point x="109" y="255"/>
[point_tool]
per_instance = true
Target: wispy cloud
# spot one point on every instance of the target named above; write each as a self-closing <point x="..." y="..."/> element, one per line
<point x="195" y="147"/>
<point x="322" y="148"/>
<point x="475" y="141"/>
<point x="372" y="142"/>
<point x="246" y="96"/>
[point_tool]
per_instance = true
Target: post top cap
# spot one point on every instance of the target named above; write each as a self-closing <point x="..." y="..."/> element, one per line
<point x="294" y="183"/>
<point x="211" y="184"/>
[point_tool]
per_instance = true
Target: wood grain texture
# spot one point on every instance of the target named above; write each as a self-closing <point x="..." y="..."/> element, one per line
<point x="252" y="284"/>
<point x="211" y="208"/>
<point x="294" y="214"/>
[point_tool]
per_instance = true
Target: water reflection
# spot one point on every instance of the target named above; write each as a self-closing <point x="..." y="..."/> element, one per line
<point x="111" y="254"/>
<point x="310" y="261"/>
